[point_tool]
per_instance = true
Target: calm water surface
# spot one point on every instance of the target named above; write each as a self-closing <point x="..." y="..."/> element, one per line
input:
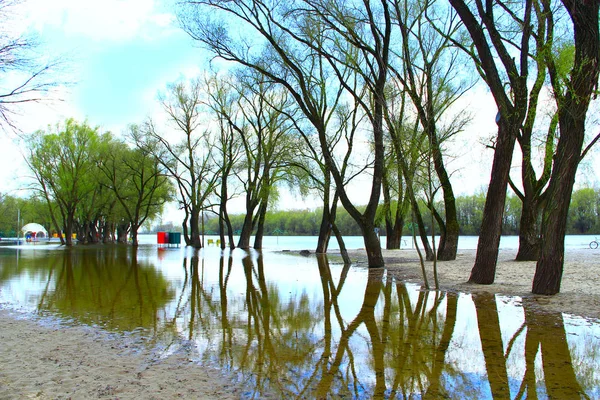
<point x="305" y="327"/>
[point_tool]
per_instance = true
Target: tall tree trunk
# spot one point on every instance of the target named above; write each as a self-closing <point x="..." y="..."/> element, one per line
<point x="394" y="221"/>
<point x="372" y="245"/>
<point x="449" y="247"/>
<point x="341" y="244"/>
<point x="260" y="225"/>
<point x="134" y="235"/>
<point x="324" y="231"/>
<point x="244" y="240"/>
<point x="421" y="227"/>
<point x="223" y="215"/>
<point x="325" y="227"/>
<point x="529" y="232"/>
<point x="69" y="229"/>
<point x="484" y="270"/>
<point x="184" y="227"/>
<point x="195" y="240"/>
<point x="572" y="110"/>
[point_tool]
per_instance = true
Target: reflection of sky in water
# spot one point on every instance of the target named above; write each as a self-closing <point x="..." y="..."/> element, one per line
<point x="187" y="317"/>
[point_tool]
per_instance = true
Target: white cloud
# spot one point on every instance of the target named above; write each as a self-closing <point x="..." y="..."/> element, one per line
<point x="115" y="20"/>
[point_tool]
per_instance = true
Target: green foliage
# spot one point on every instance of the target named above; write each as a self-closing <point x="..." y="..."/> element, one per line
<point x="31" y="209"/>
<point x="92" y="182"/>
<point x="584" y="212"/>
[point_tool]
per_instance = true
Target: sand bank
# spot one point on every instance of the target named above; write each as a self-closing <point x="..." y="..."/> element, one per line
<point x="580" y="287"/>
<point x="51" y="362"/>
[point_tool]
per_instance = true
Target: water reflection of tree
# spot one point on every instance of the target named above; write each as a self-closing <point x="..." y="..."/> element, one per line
<point x="281" y="342"/>
<point x="546" y="333"/>
<point x="105" y="286"/>
<point x="408" y="343"/>
<point x="395" y="346"/>
<point x="490" y="334"/>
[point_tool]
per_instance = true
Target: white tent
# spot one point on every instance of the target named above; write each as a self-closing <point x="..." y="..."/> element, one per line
<point x="35" y="231"/>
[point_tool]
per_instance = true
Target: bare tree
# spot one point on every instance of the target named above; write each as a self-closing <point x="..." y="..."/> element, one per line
<point x="187" y="161"/>
<point x="26" y="76"/>
<point x="572" y="100"/>
<point x="344" y="37"/>
<point x="494" y="40"/>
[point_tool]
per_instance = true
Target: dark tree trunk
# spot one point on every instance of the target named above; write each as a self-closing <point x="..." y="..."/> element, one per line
<point x="422" y="231"/>
<point x="134" y="235"/>
<point x="184" y="227"/>
<point x="341" y="244"/>
<point x="393" y="233"/>
<point x="195" y="240"/>
<point x="529" y="233"/>
<point x="224" y="221"/>
<point x="449" y="246"/>
<point x="223" y="215"/>
<point x="260" y="225"/>
<point x="244" y="240"/>
<point x="572" y="110"/>
<point x="326" y="219"/>
<point x="122" y="232"/>
<point x="372" y="245"/>
<point x="324" y="232"/>
<point x="69" y="229"/>
<point x="107" y="236"/>
<point x="484" y="270"/>
<point x="394" y="222"/>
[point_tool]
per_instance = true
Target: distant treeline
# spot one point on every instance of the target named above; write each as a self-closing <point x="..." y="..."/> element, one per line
<point x="584" y="217"/>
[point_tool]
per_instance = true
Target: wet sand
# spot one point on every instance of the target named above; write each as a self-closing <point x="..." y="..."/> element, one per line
<point x="44" y="362"/>
<point x="57" y="362"/>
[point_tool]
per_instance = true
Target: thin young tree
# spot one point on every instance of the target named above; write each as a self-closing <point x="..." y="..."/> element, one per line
<point x="187" y="161"/>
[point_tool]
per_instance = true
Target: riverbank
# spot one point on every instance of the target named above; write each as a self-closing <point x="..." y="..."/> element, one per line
<point x="52" y="362"/>
<point x="579" y="294"/>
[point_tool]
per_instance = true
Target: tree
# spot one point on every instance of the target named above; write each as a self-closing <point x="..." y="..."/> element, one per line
<point x="264" y="132"/>
<point x="491" y="26"/>
<point x="429" y="75"/>
<point x="228" y="147"/>
<point x="136" y="178"/>
<point x="26" y="78"/>
<point x="312" y="28"/>
<point x="572" y="101"/>
<point x="189" y="160"/>
<point x="63" y="164"/>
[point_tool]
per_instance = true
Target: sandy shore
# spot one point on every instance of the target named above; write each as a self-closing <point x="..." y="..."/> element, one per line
<point x="580" y="287"/>
<point x="58" y="362"/>
<point x="45" y="362"/>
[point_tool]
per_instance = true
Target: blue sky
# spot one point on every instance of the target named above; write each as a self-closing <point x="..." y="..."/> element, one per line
<point x="118" y="54"/>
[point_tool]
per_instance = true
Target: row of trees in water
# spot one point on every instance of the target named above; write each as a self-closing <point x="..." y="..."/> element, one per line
<point x="95" y="185"/>
<point x="320" y="93"/>
<point x="584" y="218"/>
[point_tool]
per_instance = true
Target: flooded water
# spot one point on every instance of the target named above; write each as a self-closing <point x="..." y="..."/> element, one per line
<point x="303" y="327"/>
